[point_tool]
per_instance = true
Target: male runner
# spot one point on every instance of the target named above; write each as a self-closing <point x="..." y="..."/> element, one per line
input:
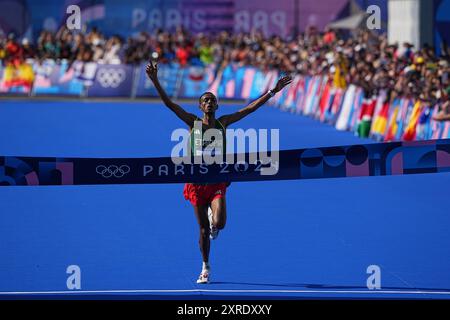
<point x="208" y="199"/>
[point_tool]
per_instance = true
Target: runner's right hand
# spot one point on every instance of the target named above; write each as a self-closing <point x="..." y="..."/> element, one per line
<point x="152" y="70"/>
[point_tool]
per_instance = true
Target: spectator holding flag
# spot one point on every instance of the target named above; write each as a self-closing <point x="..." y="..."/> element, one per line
<point x="444" y="113"/>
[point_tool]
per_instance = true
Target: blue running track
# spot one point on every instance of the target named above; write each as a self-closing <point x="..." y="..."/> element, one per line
<point x="284" y="239"/>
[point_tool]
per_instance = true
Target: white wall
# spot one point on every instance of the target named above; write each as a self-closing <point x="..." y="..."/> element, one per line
<point x="404" y="21"/>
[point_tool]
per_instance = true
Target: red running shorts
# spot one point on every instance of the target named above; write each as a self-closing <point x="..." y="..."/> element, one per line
<point x="200" y="195"/>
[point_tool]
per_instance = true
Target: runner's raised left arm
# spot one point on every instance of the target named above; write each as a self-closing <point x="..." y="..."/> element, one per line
<point x="254" y="105"/>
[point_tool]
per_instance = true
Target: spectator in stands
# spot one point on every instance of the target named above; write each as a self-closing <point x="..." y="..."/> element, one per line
<point x="2" y="51"/>
<point x="14" y="52"/>
<point x="329" y="37"/>
<point x="47" y="46"/>
<point x="205" y="51"/>
<point x="182" y="52"/>
<point x="111" y="53"/>
<point x="130" y="52"/>
<point x="28" y="49"/>
<point x="444" y="112"/>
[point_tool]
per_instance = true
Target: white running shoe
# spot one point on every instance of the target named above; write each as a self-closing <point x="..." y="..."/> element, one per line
<point x="204" y="277"/>
<point x="213" y="231"/>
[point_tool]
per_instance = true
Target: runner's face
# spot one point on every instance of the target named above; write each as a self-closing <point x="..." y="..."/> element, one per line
<point x="208" y="103"/>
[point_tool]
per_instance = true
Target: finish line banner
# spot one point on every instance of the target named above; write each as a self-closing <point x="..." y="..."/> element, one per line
<point x="378" y="159"/>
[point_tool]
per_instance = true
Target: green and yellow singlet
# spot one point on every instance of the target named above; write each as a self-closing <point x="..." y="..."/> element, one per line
<point x="199" y="142"/>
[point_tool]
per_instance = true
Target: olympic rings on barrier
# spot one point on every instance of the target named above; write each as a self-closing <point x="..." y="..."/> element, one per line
<point x="108" y="77"/>
<point x="112" y="171"/>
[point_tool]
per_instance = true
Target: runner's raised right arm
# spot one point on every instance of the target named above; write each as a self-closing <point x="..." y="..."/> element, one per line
<point x="186" y="117"/>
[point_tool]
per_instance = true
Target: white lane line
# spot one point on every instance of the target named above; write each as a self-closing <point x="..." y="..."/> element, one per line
<point x="228" y="291"/>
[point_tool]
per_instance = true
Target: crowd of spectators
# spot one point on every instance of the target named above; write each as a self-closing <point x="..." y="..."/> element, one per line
<point x="362" y="58"/>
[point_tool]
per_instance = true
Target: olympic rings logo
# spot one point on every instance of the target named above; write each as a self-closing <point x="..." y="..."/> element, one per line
<point x="110" y="77"/>
<point x="112" y="171"/>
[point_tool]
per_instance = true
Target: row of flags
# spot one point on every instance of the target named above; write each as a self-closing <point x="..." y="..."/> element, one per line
<point x="369" y="117"/>
<point x="316" y="96"/>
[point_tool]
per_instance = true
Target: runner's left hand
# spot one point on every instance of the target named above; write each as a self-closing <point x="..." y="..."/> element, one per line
<point x="282" y="82"/>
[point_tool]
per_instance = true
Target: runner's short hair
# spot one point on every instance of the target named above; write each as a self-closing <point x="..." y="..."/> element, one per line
<point x="200" y="99"/>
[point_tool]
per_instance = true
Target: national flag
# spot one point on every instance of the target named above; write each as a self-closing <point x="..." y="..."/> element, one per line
<point x="300" y="96"/>
<point x="423" y="125"/>
<point x="410" y="131"/>
<point x="317" y="95"/>
<point x="17" y="79"/>
<point x="357" y="103"/>
<point x="344" y="117"/>
<point x="393" y="124"/>
<point x="325" y="100"/>
<point x="406" y="107"/>
<point x="338" y="95"/>
<point x="291" y="94"/>
<point x="365" y="117"/>
<point x="249" y="75"/>
<point x="379" y="105"/>
<point x="446" y="131"/>
<point x="259" y="82"/>
<point x="303" y="94"/>
<point x="436" y="126"/>
<point x="311" y="95"/>
<point x="380" y="121"/>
